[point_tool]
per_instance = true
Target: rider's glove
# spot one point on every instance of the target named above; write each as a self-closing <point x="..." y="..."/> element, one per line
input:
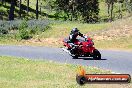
<point x="85" y="37"/>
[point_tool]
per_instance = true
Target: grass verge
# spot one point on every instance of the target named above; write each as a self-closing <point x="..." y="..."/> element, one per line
<point x="21" y="72"/>
<point x="121" y="43"/>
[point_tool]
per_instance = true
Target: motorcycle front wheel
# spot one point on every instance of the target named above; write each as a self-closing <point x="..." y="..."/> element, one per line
<point x="75" y="57"/>
<point x="96" y="54"/>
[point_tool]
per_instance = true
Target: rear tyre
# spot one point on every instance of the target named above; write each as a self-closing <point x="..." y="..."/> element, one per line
<point x="96" y="54"/>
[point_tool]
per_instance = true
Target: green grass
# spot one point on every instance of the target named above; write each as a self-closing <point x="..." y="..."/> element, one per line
<point x="7" y="39"/>
<point x="62" y="29"/>
<point x="103" y="10"/>
<point x="22" y="72"/>
<point x="119" y="43"/>
<point x="6" y="8"/>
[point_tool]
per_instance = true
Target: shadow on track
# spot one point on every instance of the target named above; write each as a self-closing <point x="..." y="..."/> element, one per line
<point x="87" y="58"/>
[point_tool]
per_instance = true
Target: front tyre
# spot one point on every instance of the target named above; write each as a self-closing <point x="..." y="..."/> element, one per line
<point x="96" y="54"/>
<point x="75" y="57"/>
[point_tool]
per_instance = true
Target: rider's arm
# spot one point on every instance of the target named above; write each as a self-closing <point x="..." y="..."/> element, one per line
<point x="80" y="34"/>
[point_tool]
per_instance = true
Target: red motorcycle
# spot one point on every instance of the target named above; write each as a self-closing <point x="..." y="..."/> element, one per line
<point x="83" y="47"/>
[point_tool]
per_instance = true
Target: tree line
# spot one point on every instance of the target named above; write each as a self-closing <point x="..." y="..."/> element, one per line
<point x="84" y="10"/>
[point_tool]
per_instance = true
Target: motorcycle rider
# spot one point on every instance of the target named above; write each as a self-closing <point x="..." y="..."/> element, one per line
<point x="73" y="35"/>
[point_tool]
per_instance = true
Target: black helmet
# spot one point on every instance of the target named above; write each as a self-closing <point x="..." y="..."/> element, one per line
<point x="74" y="30"/>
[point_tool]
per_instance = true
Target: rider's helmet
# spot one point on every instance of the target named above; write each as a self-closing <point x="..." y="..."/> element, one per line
<point x="75" y="31"/>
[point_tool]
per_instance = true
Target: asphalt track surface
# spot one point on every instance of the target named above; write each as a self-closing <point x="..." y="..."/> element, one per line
<point x="117" y="61"/>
